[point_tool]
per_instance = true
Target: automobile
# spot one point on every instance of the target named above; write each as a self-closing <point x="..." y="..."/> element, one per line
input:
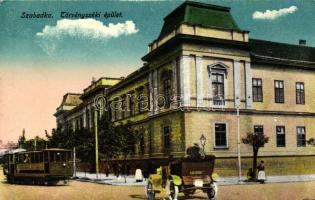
<point x="186" y="175"/>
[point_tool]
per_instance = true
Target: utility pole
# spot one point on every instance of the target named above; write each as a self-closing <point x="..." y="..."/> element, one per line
<point x="74" y="164"/>
<point x="238" y="143"/>
<point x="35" y="142"/>
<point x="96" y="141"/>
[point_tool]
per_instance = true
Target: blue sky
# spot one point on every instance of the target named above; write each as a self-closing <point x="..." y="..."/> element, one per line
<point x="20" y="44"/>
<point x="42" y="59"/>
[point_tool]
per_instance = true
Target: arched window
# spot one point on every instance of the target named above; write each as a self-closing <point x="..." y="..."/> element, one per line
<point x="167" y="87"/>
<point x="218" y="73"/>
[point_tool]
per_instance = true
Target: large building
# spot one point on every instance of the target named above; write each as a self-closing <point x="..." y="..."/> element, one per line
<point x="206" y="68"/>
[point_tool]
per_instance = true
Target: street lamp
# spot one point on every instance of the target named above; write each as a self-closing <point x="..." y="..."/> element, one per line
<point x="203" y="142"/>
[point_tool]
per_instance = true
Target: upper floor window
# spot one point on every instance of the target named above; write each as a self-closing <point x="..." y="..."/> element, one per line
<point x="141" y="103"/>
<point x="220" y="135"/>
<point x="218" y="88"/>
<point x="123" y="106"/>
<point x="300" y="134"/>
<point x="279" y="91"/>
<point x="166" y="137"/>
<point x="280" y="131"/>
<point x="257" y="90"/>
<point x="116" y="109"/>
<point x="167" y="88"/>
<point x="300" y="94"/>
<point x="131" y="104"/>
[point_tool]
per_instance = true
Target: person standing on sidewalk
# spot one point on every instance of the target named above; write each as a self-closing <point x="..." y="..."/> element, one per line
<point x="261" y="177"/>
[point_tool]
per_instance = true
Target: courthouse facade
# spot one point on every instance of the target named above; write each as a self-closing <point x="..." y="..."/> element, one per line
<point x="206" y="68"/>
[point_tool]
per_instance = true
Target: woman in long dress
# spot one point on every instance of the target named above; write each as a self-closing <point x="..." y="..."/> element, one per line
<point x="261" y="177"/>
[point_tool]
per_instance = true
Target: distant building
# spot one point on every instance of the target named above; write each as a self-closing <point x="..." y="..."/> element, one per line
<point x="214" y="67"/>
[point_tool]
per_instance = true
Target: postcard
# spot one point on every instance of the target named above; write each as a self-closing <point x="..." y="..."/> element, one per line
<point x="142" y="99"/>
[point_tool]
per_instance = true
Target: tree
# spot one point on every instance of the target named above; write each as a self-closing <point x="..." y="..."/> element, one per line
<point x="22" y="140"/>
<point x="256" y="140"/>
<point x="311" y="141"/>
<point x="108" y="140"/>
<point x="126" y="141"/>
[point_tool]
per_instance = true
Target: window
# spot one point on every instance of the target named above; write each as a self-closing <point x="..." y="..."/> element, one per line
<point x="167" y="89"/>
<point x="300" y="132"/>
<point x="141" y="102"/>
<point x="141" y="144"/>
<point x="300" y="94"/>
<point x="280" y="131"/>
<point x="116" y="109"/>
<point x="166" y="137"/>
<point x="259" y="129"/>
<point x="218" y="88"/>
<point x="279" y="92"/>
<point x="131" y="104"/>
<point x="123" y="106"/>
<point x="87" y="118"/>
<point x="220" y="135"/>
<point x="257" y="90"/>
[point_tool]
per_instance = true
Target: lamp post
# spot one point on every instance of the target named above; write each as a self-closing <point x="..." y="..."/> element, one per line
<point x="203" y="142"/>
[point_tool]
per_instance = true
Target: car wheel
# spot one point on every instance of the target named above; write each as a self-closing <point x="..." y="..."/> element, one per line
<point x="149" y="191"/>
<point x="173" y="191"/>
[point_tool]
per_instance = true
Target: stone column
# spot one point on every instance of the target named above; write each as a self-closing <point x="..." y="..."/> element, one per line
<point x="248" y="86"/>
<point x="199" y="81"/>
<point x="185" y="80"/>
<point x="237" y="83"/>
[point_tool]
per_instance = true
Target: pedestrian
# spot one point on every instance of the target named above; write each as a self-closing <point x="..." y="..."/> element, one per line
<point x="106" y="169"/>
<point x="261" y="177"/>
<point x="250" y="174"/>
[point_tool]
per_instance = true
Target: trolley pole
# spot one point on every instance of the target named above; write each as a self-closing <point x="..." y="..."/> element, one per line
<point x="238" y="144"/>
<point x="96" y="142"/>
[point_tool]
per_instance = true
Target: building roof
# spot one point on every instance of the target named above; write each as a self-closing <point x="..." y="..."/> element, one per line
<point x="71" y="99"/>
<point x="195" y="13"/>
<point x="282" y="51"/>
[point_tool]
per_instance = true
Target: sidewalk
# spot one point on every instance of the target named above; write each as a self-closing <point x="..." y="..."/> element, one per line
<point x="232" y="180"/>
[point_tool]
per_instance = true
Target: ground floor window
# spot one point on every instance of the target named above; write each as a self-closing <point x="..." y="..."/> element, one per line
<point x="220" y="135"/>
<point x="280" y="131"/>
<point x="141" y="143"/>
<point x="300" y="132"/>
<point x="166" y="137"/>
<point x="259" y="129"/>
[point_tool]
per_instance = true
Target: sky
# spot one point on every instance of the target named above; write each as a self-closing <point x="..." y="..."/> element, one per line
<point x="42" y="59"/>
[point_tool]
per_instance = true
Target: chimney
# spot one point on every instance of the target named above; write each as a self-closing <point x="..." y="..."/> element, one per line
<point x="302" y="42"/>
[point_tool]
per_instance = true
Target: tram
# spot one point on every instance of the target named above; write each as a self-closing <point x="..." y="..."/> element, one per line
<point x="47" y="166"/>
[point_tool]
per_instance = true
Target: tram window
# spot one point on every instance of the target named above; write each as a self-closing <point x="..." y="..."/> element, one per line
<point x="35" y="157"/>
<point x="69" y="156"/>
<point x="60" y="156"/>
<point x="52" y="156"/>
<point x="26" y="158"/>
<point x="46" y="156"/>
<point x="16" y="159"/>
<point x="40" y="157"/>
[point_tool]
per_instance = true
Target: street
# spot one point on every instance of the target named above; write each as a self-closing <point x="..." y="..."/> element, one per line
<point x="76" y="190"/>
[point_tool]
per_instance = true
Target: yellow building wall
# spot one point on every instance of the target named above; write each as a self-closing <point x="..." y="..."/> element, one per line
<point x="290" y="76"/>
